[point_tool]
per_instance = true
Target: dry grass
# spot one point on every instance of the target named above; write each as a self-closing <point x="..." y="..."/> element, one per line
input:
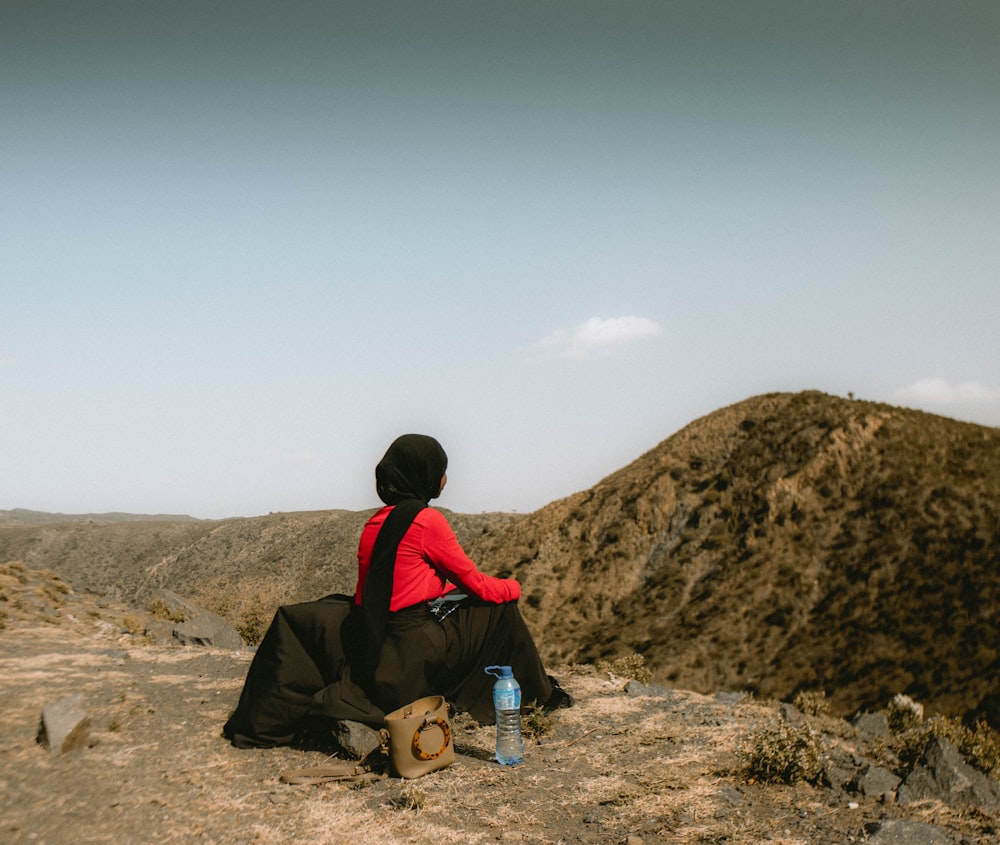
<point x="249" y="606"/>
<point x="664" y="768"/>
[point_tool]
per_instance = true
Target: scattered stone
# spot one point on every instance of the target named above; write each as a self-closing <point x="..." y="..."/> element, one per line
<point x="160" y="632"/>
<point x="944" y="776"/>
<point x="871" y="725"/>
<point x="64" y="724"/>
<point x="635" y="689"/>
<point x="877" y="782"/>
<point x="119" y="655"/>
<point x="840" y="769"/>
<point x="208" y="629"/>
<point x="904" y="832"/>
<point x="633" y="839"/>
<point x="731" y="797"/>
<point x="356" y="740"/>
<point x="730" y="697"/>
<point x="790" y="713"/>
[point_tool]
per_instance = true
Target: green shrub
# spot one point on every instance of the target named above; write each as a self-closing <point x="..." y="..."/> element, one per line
<point x="781" y="753"/>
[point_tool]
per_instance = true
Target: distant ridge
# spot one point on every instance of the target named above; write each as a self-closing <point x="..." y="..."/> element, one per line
<point x="21" y="516"/>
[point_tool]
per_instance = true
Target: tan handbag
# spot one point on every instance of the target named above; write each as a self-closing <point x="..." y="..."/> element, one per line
<point x="420" y="737"/>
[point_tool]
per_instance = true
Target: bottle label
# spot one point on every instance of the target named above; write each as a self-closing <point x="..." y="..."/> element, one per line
<point x="507" y="699"/>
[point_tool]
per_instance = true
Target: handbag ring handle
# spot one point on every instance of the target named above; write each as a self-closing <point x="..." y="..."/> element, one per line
<point x="445" y="730"/>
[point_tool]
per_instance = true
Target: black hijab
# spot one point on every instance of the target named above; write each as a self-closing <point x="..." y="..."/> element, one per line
<point x="412" y="468"/>
<point x="407" y="477"/>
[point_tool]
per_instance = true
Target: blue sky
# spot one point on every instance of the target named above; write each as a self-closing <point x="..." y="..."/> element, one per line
<point x="244" y="245"/>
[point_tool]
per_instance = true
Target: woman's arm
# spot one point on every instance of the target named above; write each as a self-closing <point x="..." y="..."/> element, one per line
<point x="442" y="549"/>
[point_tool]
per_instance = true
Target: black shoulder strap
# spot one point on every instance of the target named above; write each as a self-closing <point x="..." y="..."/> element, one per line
<point x="377" y="592"/>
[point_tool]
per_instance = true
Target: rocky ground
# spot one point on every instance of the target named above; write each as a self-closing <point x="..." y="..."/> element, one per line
<point x="628" y="764"/>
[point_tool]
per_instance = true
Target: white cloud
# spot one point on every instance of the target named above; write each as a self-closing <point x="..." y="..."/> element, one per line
<point x="941" y="391"/>
<point x="598" y="336"/>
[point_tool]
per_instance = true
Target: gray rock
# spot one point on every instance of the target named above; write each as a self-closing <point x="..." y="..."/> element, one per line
<point x="119" y="655"/>
<point x="791" y="713"/>
<point x="731" y="797"/>
<point x="904" y="832"/>
<point x="64" y="725"/>
<point x="944" y="776"/>
<point x="208" y="629"/>
<point x="871" y="725"/>
<point x="730" y="697"/>
<point x="357" y="741"/>
<point x="877" y="782"/>
<point x="635" y="689"/>
<point x="841" y="769"/>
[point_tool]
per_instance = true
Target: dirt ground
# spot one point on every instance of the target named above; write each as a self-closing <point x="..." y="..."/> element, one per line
<point x="615" y="768"/>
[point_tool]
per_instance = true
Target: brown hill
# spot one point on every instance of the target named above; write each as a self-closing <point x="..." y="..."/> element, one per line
<point x="789" y="542"/>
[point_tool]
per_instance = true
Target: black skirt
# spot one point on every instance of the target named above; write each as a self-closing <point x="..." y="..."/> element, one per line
<point x="423" y="656"/>
<point x="304" y="667"/>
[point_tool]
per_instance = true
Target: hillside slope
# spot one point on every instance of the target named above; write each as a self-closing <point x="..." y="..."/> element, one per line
<point x="791" y="541"/>
<point x="281" y="557"/>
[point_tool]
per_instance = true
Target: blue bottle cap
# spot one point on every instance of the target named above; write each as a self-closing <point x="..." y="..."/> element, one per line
<point x="499" y="671"/>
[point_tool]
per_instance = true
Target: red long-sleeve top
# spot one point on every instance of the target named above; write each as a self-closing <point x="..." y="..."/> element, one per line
<point x="429" y="563"/>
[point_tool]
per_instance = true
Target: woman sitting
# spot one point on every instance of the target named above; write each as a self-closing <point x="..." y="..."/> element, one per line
<point x="422" y="638"/>
<point x="423" y="621"/>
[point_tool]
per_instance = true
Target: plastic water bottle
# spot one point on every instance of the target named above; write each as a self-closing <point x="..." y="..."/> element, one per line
<point x="507" y="704"/>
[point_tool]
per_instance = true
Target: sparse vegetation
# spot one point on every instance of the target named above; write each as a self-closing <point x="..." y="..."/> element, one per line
<point x="535" y="722"/>
<point x="411" y="797"/>
<point x="132" y="623"/>
<point x="812" y="703"/>
<point x="162" y="610"/>
<point x="782" y="753"/>
<point x="15" y="569"/>
<point x="53" y="590"/>
<point x="249" y="606"/>
<point x="904" y="714"/>
<point x="911" y="733"/>
<point x="628" y="666"/>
